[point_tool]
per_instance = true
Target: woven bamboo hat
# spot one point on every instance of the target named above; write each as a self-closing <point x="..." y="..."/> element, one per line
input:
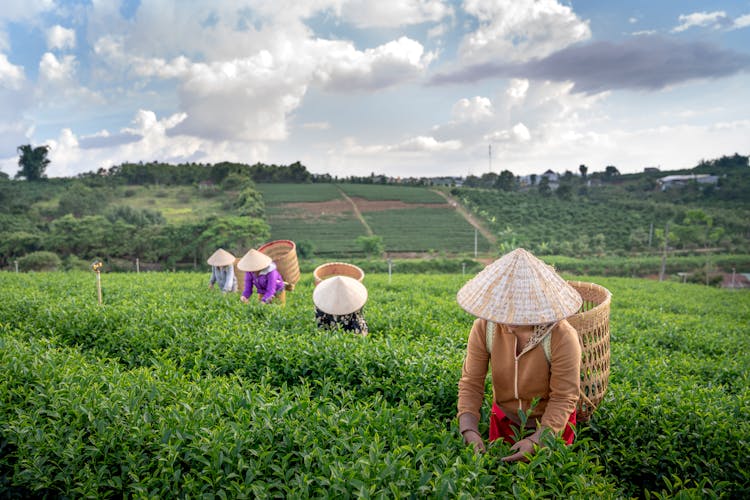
<point x="220" y="258"/>
<point x="519" y="289"/>
<point x="340" y="295"/>
<point x="253" y="260"/>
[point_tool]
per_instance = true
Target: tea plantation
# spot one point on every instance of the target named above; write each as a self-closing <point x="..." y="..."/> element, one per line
<point x="169" y="389"/>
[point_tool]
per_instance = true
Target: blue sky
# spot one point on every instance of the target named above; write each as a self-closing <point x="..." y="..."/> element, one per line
<point x="400" y="87"/>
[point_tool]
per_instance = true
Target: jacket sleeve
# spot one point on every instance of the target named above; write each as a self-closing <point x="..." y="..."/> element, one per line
<point x="229" y="283"/>
<point x="248" y="285"/>
<point x="213" y="276"/>
<point x="474" y="371"/>
<point x="274" y="278"/>
<point x="565" y="377"/>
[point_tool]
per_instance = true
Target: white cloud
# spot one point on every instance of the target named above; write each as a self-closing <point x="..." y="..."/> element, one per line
<point x="342" y="68"/>
<point x="512" y="30"/>
<point x="24" y="10"/>
<point x="60" y="38"/>
<point x="472" y="110"/>
<point x="11" y="76"/>
<point x="149" y="140"/>
<point x="54" y="70"/>
<point x="701" y="19"/>
<point x="316" y="125"/>
<point x="392" y="13"/>
<point x="425" y="144"/>
<point x="741" y="22"/>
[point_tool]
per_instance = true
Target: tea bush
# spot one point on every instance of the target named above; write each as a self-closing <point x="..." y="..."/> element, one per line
<point x="169" y="389"/>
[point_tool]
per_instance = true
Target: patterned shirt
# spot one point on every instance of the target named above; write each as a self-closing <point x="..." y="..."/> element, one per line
<point x="352" y="322"/>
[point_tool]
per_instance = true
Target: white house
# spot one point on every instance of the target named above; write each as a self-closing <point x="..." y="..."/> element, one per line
<point x="671" y="181"/>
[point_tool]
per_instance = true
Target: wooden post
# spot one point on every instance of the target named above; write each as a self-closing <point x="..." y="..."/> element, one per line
<point x="16" y="265"/>
<point x="476" y="236"/>
<point x="463" y="268"/>
<point x="99" y="286"/>
<point x="96" y="266"/>
<point x="137" y="265"/>
<point x="650" y="234"/>
<point x="390" y="265"/>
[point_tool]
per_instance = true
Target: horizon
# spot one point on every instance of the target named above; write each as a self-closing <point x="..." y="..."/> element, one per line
<point x="402" y="88"/>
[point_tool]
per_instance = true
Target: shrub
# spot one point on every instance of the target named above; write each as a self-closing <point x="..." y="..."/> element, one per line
<point x="39" y="261"/>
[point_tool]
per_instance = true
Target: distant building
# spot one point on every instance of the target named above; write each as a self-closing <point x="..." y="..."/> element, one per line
<point x="673" y="181"/>
<point x="651" y="170"/>
<point x="446" y="181"/>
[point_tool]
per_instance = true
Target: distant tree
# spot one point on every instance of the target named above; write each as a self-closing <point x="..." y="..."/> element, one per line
<point x="543" y="187"/>
<point x="81" y="200"/>
<point x="564" y="191"/>
<point x="532" y="178"/>
<point x="4" y="176"/>
<point x="33" y="162"/>
<point x="610" y="171"/>
<point x="584" y="170"/>
<point x="371" y="245"/>
<point x="506" y="181"/>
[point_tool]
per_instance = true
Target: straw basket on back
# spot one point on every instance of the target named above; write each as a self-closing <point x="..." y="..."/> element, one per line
<point x="284" y="255"/>
<point x="330" y="269"/>
<point x="592" y="324"/>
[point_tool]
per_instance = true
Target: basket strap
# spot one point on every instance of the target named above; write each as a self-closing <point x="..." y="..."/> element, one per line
<point x="490" y="336"/>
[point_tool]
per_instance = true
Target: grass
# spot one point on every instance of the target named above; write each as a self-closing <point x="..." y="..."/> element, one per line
<point x="176" y="203"/>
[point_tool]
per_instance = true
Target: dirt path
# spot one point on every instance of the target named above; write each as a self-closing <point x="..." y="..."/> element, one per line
<point x="469" y="217"/>
<point x="357" y="213"/>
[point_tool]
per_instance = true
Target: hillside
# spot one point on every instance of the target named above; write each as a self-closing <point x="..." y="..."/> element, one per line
<point x="168" y="216"/>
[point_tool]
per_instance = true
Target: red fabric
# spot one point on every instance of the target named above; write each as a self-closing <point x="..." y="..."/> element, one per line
<point x="500" y="426"/>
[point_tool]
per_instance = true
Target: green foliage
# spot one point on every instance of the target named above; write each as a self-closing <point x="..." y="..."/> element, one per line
<point x="80" y="200"/>
<point x="371" y="245"/>
<point x="167" y="390"/>
<point x="39" y="261"/>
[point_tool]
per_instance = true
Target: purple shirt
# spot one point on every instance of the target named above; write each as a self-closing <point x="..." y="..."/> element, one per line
<point x="268" y="284"/>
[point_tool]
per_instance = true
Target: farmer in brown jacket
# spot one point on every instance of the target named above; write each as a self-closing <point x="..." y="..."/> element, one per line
<point x="522" y="335"/>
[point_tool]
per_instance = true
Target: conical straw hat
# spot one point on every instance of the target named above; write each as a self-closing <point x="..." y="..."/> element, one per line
<point x="340" y="295"/>
<point x="519" y="289"/>
<point x="220" y="258"/>
<point x="253" y="260"/>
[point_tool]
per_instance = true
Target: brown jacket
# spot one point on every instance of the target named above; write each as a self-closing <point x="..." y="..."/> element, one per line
<point x="516" y="380"/>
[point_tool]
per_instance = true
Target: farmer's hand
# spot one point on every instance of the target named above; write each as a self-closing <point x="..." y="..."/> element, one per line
<point x="472" y="437"/>
<point x="523" y="448"/>
<point x="243" y="298"/>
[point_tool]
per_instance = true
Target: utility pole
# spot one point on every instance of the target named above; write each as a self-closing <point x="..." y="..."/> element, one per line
<point x="650" y="234"/>
<point x="490" y="148"/>
<point x="664" y="254"/>
<point x="476" y="237"/>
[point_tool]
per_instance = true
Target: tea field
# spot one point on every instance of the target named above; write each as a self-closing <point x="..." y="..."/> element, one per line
<point x="408" y="219"/>
<point x="169" y="389"/>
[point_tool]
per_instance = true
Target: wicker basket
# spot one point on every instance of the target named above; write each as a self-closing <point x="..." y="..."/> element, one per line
<point x="592" y="324"/>
<point x="329" y="269"/>
<point x="284" y="255"/>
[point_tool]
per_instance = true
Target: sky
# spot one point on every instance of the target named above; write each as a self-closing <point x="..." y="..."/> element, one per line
<point x="406" y="88"/>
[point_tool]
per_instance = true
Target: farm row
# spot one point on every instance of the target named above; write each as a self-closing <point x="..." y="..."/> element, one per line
<point x="170" y="389"/>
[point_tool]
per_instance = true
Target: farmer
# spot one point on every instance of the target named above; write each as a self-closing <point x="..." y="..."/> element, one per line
<point x="261" y="274"/>
<point x="338" y="303"/>
<point x="522" y="334"/>
<point x="222" y="271"/>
